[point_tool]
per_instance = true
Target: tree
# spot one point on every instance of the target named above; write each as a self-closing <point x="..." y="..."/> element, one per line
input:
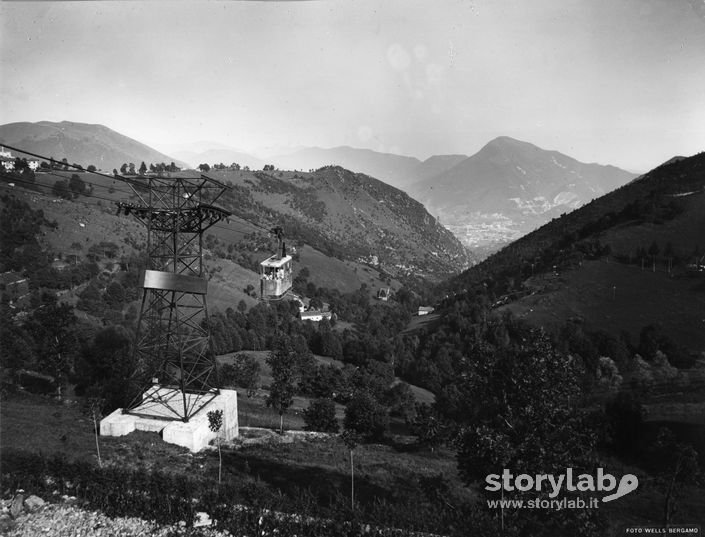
<point x="61" y="189"/>
<point x="507" y="425"/>
<point x="204" y="167"/>
<point x="114" y="294"/>
<point x="16" y="344"/>
<point x="242" y="306"/>
<point x="427" y="427"/>
<point x="77" y="185"/>
<point x="123" y="168"/>
<point x="93" y="409"/>
<point x="91" y="168"/>
<point x="365" y="417"/>
<point x="244" y="372"/>
<point x="351" y="440"/>
<point x="106" y="366"/>
<point x="320" y="416"/>
<point x="53" y="328"/>
<point x="676" y="464"/>
<point x="132" y="168"/>
<point x="215" y="423"/>
<point x="283" y="361"/>
<point x="143" y="168"/>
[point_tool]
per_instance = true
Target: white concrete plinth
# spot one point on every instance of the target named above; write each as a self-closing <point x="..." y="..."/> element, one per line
<point x="194" y="434"/>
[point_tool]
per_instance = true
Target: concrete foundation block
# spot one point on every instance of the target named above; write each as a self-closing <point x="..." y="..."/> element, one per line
<point x="117" y="424"/>
<point x="194" y="435"/>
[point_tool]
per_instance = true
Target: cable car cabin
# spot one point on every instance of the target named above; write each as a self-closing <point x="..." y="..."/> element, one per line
<point x="275" y="277"/>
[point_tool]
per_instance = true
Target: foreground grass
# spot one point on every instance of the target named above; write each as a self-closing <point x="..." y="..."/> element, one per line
<point x="317" y="470"/>
<point x="390" y="479"/>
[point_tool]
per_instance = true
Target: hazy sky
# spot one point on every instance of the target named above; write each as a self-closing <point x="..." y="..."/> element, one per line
<point x="609" y="81"/>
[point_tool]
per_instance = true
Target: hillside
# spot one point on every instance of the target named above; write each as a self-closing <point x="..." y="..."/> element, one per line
<point x="511" y="187"/>
<point x="624" y="261"/>
<point x="81" y="143"/>
<point x="348" y="216"/>
<point x="396" y="170"/>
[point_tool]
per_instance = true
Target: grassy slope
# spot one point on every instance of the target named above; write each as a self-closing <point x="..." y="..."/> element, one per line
<point x="362" y="214"/>
<point x="676" y="301"/>
<point x="100" y="223"/>
<point x="613" y="296"/>
<point x="43" y="425"/>
<point x="346" y="276"/>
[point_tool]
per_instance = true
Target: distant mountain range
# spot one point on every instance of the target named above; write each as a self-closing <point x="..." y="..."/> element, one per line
<point x="81" y="143"/>
<point x="395" y="170"/>
<point x="500" y="193"/>
<point x="509" y="188"/>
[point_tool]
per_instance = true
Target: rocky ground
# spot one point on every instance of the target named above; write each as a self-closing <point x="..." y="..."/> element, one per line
<point x="33" y="517"/>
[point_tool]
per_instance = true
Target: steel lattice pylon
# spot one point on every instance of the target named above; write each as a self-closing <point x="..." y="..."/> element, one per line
<point x="173" y="334"/>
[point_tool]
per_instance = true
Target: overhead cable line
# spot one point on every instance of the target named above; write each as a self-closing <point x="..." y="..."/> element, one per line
<point x="121" y="178"/>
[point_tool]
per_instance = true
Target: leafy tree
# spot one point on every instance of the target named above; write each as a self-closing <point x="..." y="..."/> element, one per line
<point x="283" y="361"/>
<point x="365" y="417"/>
<point x="91" y="168"/>
<point x="143" y="168"/>
<point x="114" y="294"/>
<point x="123" y="168"/>
<point x="428" y="427"/>
<point x="53" y="327"/>
<point x="204" y="167"/>
<point x="654" y="249"/>
<point x="509" y="426"/>
<point x="676" y="464"/>
<point x="92" y="408"/>
<point x="215" y="423"/>
<point x="351" y="439"/>
<point x="400" y="400"/>
<point x="20" y="164"/>
<point x="320" y="416"/>
<point x="16" y="344"/>
<point x="62" y="190"/>
<point x="106" y="366"/>
<point x="132" y="168"/>
<point x="242" y="306"/>
<point x="244" y="372"/>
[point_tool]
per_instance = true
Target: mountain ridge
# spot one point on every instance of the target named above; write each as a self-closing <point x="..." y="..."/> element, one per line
<point x="83" y="143"/>
<point x="511" y="187"/>
<point x="626" y="260"/>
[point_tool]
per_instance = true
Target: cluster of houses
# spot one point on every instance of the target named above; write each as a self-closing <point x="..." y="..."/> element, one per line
<point x="308" y="313"/>
<point x="8" y="161"/>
